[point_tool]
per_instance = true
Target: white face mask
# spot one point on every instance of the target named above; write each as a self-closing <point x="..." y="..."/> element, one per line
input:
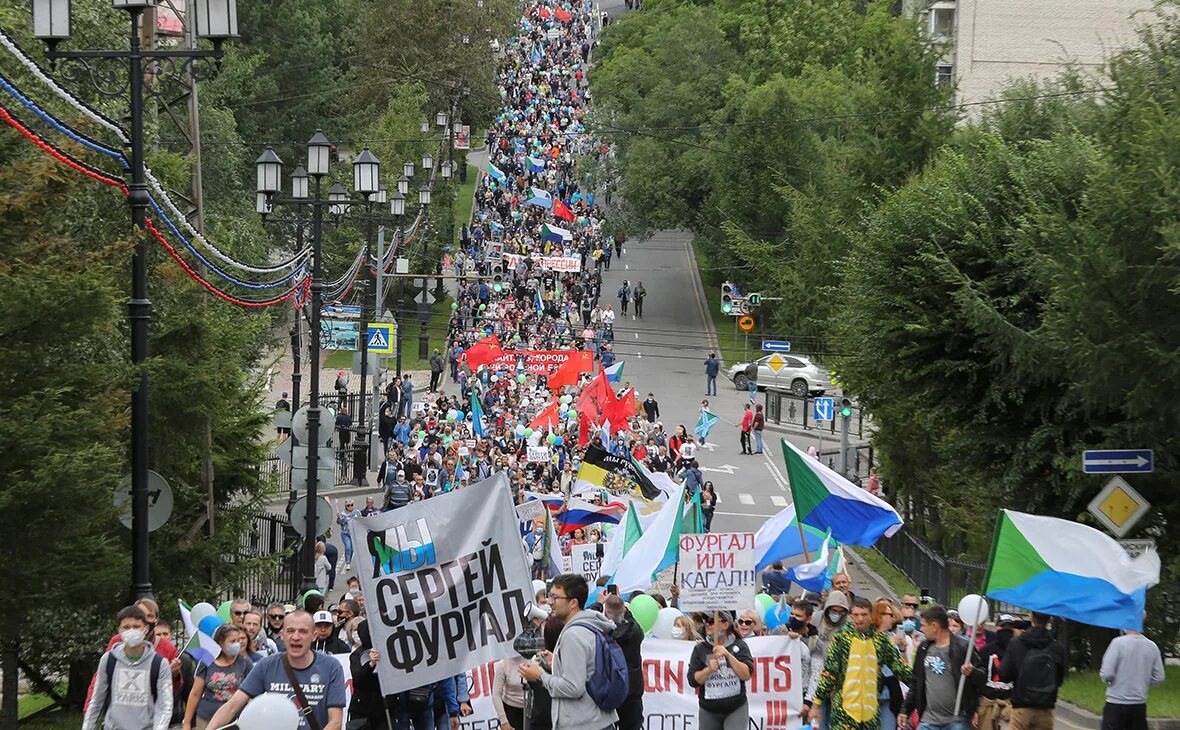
<point x="677" y="632"/>
<point x="232" y="649"/>
<point x="132" y="637"/>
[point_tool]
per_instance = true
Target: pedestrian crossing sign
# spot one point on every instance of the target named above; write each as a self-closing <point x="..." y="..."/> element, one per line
<point x="382" y="338"/>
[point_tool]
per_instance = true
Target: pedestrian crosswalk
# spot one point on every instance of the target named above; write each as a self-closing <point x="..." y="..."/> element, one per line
<point x="777" y="501"/>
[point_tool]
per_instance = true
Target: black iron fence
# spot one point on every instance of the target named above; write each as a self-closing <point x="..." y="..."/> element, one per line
<point x="783" y="407"/>
<point x="269" y="546"/>
<point x="944" y="579"/>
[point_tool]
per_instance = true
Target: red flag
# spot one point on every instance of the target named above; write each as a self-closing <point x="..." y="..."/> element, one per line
<point x="569" y="371"/>
<point x="483" y="352"/>
<point x="547" y="417"/>
<point x="619" y="411"/>
<point x="583" y="430"/>
<point x="563" y="15"/>
<point x="596" y="397"/>
<point x="560" y="210"/>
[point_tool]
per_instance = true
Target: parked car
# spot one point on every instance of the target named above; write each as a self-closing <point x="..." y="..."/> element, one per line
<point x="798" y="375"/>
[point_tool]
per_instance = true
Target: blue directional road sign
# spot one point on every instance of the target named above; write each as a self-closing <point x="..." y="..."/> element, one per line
<point x="823" y="409"/>
<point x="381" y="338"/>
<point x="776" y="346"/>
<point x="1118" y="461"/>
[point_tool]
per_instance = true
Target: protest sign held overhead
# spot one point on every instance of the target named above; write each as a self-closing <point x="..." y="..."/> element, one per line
<point x="586" y="561"/>
<point x="716" y="571"/>
<point x="447" y="583"/>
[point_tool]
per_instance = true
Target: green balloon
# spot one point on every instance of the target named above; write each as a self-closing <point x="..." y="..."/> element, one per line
<point x="567" y="398"/>
<point x="450" y="418"/>
<point x="498" y="287"/>
<point x="521" y="378"/>
<point x="528" y="433"/>
<point x="764" y="602"/>
<point x="421" y="434"/>
<point x="224" y="612"/>
<point x="483" y="307"/>
<point x="645" y="610"/>
<point x="551" y="438"/>
<point x="454" y="306"/>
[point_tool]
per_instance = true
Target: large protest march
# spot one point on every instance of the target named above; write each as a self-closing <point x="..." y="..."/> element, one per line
<point x="542" y="556"/>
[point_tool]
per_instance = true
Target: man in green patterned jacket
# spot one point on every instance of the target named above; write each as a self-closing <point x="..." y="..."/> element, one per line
<point x="851" y="678"/>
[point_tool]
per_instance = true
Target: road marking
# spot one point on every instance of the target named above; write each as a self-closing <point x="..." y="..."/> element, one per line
<point x="777" y="479"/>
<point x="778" y="474"/>
<point x="746" y="498"/>
<point x="778" y="501"/>
<point x="754" y="515"/>
<point x="723" y="469"/>
<point x="627" y="267"/>
<point x="637" y="335"/>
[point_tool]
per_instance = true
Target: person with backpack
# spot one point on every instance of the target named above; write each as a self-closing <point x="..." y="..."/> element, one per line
<point x="629" y="636"/>
<point x="586" y="675"/>
<point x="719" y="668"/>
<point x="215" y="683"/>
<point x="143" y="700"/>
<point x="624" y="296"/>
<point x="1035" y="665"/>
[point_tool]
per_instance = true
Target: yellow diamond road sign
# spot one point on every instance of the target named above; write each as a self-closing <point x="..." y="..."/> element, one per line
<point x="1118" y="506"/>
<point x="776" y="362"/>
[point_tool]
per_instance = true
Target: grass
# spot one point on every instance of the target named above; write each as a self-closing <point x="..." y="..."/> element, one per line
<point x="466" y="200"/>
<point x="436" y="329"/>
<point x="1086" y="690"/>
<point x="57" y="720"/>
<point x="732" y="351"/>
<point x="898" y="582"/>
<point x="30" y="703"/>
<point x="338" y="359"/>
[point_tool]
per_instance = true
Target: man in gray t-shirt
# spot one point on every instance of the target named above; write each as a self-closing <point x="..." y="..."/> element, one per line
<point x="938" y="665"/>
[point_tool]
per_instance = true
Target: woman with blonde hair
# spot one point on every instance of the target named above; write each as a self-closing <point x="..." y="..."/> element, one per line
<point x="886" y="615"/>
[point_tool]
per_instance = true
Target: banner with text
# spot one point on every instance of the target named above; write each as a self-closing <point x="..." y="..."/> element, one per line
<point x="547" y="263"/>
<point x="775" y="689"/>
<point x="586" y="561"/>
<point x="446" y="583"/>
<point x="537" y="455"/>
<point x="537" y="362"/>
<point x="716" y="571"/>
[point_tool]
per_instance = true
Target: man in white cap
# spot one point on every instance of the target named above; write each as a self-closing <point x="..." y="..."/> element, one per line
<point x="326" y="639"/>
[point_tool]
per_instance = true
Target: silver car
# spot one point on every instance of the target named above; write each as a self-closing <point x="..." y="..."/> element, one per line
<point x="796" y="373"/>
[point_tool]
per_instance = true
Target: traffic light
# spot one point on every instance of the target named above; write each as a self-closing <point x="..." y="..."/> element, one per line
<point x="730" y="299"/>
<point x="755" y="299"/>
<point x="845" y="408"/>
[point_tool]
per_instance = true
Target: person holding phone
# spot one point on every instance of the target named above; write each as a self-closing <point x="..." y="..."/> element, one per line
<point x="719" y="668"/>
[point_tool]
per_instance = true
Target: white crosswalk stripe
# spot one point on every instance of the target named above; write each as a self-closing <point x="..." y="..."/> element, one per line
<point x="746" y="498"/>
<point x="778" y="501"/>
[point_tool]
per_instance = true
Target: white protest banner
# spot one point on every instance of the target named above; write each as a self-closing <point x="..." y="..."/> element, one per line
<point x="586" y="561"/>
<point x="563" y="264"/>
<point x="530" y="510"/>
<point x="716" y="571"/>
<point x="347" y="667"/>
<point x="446" y="583"/>
<point x="537" y="454"/>
<point x="775" y="689"/>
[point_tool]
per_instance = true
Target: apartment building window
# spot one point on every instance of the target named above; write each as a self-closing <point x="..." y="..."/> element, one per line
<point x="945" y="76"/>
<point x="942" y="21"/>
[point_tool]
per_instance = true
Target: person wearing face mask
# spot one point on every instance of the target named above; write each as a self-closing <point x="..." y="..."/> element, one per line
<point x="719" y="668"/>
<point x="144" y="699"/>
<point x="629" y="636"/>
<point x="214" y="684"/>
<point x="683" y="629"/>
<point x="163" y="646"/>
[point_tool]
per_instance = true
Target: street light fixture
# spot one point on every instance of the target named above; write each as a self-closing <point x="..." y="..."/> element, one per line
<point x="403" y="185"/>
<point x="397" y="204"/>
<point x="366" y="171"/>
<point x="270" y="171"/>
<point x="338" y="197"/>
<point x="407" y="170"/>
<point x="319" y="150"/>
<point x="441" y="119"/>
<point x="216" y="19"/>
<point x="445" y="169"/>
<point x="299" y="183"/>
<point x="262" y="203"/>
<point x="382" y="195"/>
<point x="427" y="161"/>
<point x="424" y="195"/>
<point x="51" y="23"/>
<point x="457" y="127"/>
<point x="425" y="128"/>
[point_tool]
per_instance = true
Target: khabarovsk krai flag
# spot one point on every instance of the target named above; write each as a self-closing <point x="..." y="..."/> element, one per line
<point x="1064" y="568"/>
<point x="829" y="502"/>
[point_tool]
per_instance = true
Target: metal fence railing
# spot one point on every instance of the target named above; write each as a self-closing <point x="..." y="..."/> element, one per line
<point x="271" y="538"/>
<point x="786" y="408"/>
<point x="944" y="579"/>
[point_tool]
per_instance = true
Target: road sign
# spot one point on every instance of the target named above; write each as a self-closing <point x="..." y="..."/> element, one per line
<point x="325" y="469"/>
<point x="1118" y="506"/>
<point x="327" y="431"/>
<point x="1118" y="461"/>
<point x="823" y="409"/>
<point x="323" y="516"/>
<point x="159" y="501"/>
<point x="382" y="338"/>
<point x="776" y="346"/>
<point x="743" y="306"/>
<point x="746" y="322"/>
<point x="776" y="362"/>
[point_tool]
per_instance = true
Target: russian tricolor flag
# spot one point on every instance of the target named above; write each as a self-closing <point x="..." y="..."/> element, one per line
<point x="579" y="513"/>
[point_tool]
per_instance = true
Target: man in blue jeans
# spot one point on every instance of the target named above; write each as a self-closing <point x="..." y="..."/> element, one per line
<point x="712" y="367"/>
<point x="937" y="667"/>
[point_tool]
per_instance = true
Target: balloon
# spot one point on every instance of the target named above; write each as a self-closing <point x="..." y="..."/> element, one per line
<point x="452" y="415"/>
<point x="421" y="434"/>
<point x="538" y="586"/>
<point x="498" y="287"/>
<point x="495" y="378"/>
<point x="269" y="711"/>
<point x="200" y="611"/>
<point x="454" y="306"/>
<point x="763" y="601"/>
<point x="521" y="378"/>
<point x="528" y="433"/>
<point x="662" y="629"/>
<point x="224" y="611"/>
<point x="973" y="609"/>
<point x="519" y="431"/>
<point x="209" y="624"/>
<point x="551" y="438"/>
<point x="562" y="409"/>
<point x="645" y="610"/>
<point x="566" y="399"/>
<point x="482" y="307"/>
<point x="571" y="414"/>
<point x="558" y="441"/>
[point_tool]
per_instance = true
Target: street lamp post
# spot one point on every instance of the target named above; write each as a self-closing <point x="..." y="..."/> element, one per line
<point x="366" y="171"/>
<point x="217" y="23"/>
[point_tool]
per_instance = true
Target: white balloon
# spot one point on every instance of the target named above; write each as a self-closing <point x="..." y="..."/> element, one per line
<point x="973" y="609"/>
<point x="200" y="611"/>
<point x="665" y="619"/>
<point x="269" y="711"/>
<point x="538" y="586"/>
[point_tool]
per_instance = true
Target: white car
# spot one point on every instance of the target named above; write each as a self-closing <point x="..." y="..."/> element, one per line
<point x="796" y="374"/>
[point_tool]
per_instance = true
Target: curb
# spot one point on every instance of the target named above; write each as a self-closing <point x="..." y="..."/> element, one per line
<point x="882" y="586"/>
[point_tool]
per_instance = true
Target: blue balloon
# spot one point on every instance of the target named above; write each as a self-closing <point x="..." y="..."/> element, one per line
<point x="776" y="616"/>
<point x="210" y="624"/>
<point x="558" y="441"/>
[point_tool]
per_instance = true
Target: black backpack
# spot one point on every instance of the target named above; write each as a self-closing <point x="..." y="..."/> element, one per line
<point x="1036" y="685"/>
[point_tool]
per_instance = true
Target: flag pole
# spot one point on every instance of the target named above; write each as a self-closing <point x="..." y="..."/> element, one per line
<point x="795" y="501"/>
